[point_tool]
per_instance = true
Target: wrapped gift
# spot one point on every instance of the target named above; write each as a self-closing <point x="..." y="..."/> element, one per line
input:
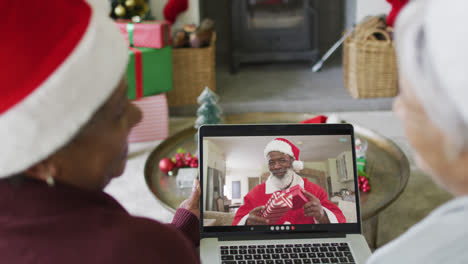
<point x="298" y="197"/>
<point x="283" y="201"/>
<point x="155" y="122"/>
<point x="148" y="34"/>
<point x="149" y="72"/>
<point x="277" y="206"/>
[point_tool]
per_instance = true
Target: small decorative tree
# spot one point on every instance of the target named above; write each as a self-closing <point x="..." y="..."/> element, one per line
<point x="209" y="111"/>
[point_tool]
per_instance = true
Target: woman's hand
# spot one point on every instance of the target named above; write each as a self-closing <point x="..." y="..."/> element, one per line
<point x="193" y="202"/>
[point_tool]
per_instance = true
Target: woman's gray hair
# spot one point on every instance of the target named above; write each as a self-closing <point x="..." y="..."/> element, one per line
<point x="431" y="39"/>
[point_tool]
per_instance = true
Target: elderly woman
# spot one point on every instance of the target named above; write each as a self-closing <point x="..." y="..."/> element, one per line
<point x="431" y="38"/>
<point x="64" y="122"/>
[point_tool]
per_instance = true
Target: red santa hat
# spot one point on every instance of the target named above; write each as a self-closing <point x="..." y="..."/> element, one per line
<point x="285" y="146"/>
<point x="60" y="62"/>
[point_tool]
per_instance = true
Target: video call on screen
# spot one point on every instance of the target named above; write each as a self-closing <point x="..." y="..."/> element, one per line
<point x="237" y="177"/>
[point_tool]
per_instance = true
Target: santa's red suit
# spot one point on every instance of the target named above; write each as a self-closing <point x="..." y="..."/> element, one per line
<point x="260" y="195"/>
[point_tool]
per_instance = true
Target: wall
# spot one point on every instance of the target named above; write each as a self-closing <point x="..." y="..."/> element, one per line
<point x="371" y="7"/>
<point x="191" y="16"/>
<point x="317" y="165"/>
<point x="356" y="10"/>
<point x="241" y="175"/>
<point x="214" y="158"/>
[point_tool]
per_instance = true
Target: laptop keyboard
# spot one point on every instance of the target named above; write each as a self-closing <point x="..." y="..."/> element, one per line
<point x="287" y="254"/>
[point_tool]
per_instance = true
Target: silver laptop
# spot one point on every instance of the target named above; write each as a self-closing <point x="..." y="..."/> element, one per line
<point x="259" y="206"/>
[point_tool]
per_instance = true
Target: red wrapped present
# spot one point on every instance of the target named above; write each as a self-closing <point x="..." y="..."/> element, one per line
<point x="298" y="197"/>
<point x="155" y="122"/>
<point x="148" y="34"/>
<point x="283" y="201"/>
<point x="277" y="206"/>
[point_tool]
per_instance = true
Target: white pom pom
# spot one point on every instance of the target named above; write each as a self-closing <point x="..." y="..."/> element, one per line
<point x="298" y="165"/>
<point x="333" y="119"/>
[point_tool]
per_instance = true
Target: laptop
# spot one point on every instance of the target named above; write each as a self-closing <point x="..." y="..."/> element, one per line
<point x="255" y="207"/>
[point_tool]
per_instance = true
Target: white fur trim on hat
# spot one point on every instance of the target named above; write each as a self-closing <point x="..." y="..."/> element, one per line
<point x="298" y="165"/>
<point x="50" y="117"/>
<point x="283" y="147"/>
<point x="278" y="145"/>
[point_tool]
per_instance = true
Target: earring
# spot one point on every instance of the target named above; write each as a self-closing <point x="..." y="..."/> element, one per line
<point x="50" y="181"/>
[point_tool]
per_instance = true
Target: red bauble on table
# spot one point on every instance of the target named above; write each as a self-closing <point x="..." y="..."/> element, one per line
<point x="166" y="165"/>
<point x="181" y="159"/>
<point x="364" y="184"/>
<point x="194" y="163"/>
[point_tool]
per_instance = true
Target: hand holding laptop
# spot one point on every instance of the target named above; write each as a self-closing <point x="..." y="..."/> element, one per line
<point x="193" y="202"/>
<point x="314" y="208"/>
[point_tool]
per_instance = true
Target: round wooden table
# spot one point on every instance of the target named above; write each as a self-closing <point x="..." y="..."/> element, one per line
<point x="388" y="167"/>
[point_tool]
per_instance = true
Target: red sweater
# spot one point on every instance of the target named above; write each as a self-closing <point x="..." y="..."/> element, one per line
<point x="63" y="224"/>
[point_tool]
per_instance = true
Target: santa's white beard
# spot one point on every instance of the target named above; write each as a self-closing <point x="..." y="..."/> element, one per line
<point x="283" y="182"/>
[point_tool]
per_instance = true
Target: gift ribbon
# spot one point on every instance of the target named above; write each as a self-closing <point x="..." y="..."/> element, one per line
<point x="138" y="72"/>
<point x="130" y="28"/>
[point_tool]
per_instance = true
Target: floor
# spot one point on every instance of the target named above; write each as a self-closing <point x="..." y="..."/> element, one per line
<point x="285" y="87"/>
<point x="294" y="88"/>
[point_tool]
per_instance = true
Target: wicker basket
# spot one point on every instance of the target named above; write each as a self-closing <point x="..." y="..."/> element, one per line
<point x="369" y="64"/>
<point x="193" y="70"/>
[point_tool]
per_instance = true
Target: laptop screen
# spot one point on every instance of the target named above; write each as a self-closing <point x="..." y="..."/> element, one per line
<point x="278" y="178"/>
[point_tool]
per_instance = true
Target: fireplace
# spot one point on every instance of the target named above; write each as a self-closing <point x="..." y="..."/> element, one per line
<point x="273" y="30"/>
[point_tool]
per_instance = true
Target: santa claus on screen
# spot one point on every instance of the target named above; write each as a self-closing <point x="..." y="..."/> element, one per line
<point x="283" y="163"/>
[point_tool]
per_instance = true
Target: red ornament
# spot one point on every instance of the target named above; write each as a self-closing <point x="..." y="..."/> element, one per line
<point x="179" y="163"/>
<point x="166" y="165"/>
<point x="188" y="159"/>
<point x="194" y="163"/>
<point x="364" y="184"/>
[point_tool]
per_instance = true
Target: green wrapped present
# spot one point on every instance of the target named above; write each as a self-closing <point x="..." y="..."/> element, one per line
<point x="149" y="71"/>
<point x="361" y="164"/>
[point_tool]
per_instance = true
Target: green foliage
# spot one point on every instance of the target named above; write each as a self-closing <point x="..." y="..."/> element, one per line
<point x="180" y="150"/>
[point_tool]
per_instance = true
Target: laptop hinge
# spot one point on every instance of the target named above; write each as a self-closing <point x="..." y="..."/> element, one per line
<point x="280" y="236"/>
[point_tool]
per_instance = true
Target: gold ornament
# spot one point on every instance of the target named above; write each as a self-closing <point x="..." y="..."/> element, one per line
<point x="119" y="11"/>
<point x="130" y="3"/>
<point x="145" y="8"/>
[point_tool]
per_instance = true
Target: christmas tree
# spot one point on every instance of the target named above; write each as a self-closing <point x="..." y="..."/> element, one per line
<point x="209" y="111"/>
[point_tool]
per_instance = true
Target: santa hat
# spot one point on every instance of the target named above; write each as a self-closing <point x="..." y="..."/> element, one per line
<point x="60" y="62"/>
<point x="431" y="39"/>
<point x="285" y="146"/>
